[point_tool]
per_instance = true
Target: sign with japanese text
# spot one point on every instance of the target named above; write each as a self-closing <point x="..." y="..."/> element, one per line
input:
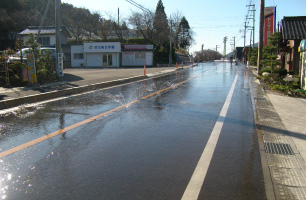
<point x="102" y="47"/>
<point x="25" y="76"/>
<point x="269" y="23"/>
<point x="31" y="68"/>
<point x="140" y="47"/>
<point x="60" y="64"/>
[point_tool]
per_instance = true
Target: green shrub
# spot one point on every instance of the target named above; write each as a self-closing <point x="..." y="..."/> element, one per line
<point x="45" y="76"/>
<point x="264" y="69"/>
<point x="281" y="72"/>
<point x="291" y="72"/>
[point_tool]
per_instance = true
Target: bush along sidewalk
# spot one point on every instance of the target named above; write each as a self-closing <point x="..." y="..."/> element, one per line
<point x="45" y="66"/>
<point x="280" y="82"/>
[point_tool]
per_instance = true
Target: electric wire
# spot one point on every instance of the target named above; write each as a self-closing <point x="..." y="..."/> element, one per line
<point x="138" y="6"/>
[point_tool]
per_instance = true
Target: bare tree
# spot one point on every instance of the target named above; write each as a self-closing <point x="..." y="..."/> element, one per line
<point x="143" y="23"/>
<point x="75" y="20"/>
<point x="121" y="30"/>
<point x="176" y="18"/>
<point x="104" y="28"/>
<point x="91" y="24"/>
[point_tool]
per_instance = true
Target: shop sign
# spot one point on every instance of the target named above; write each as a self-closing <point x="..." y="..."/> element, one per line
<point x="101" y="47"/>
<point x="140" y="47"/>
<point x="25" y="75"/>
<point x="302" y="46"/>
<point x="59" y="64"/>
<point x="269" y="23"/>
<point x="31" y="68"/>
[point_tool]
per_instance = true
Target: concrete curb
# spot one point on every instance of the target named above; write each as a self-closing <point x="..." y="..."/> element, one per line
<point x="10" y="103"/>
<point x="269" y="187"/>
<point x="5" y="104"/>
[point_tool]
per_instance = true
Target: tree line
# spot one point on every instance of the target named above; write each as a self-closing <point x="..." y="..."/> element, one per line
<point x="84" y="25"/>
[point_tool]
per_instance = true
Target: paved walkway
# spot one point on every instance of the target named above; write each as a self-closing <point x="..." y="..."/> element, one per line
<point x="280" y="123"/>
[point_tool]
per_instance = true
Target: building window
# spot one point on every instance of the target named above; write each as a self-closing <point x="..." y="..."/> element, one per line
<point x="78" y="56"/>
<point x="44" y="41"/>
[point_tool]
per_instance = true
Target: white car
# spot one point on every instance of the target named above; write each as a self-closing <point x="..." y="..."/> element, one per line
<point x="26" y="51"/>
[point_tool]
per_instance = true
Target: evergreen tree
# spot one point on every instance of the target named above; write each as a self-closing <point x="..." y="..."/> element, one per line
<point x="254" y="56"/>
<point x="160" y="25"/>
<point x="184" y="37"/>
<point x="270" y="51"/>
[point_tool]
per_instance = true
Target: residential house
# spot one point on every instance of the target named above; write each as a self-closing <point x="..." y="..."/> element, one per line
<point x="47" y="38"/>
<point x="293" y="31"/>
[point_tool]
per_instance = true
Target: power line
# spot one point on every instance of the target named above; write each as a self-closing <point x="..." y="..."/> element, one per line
<point x="138" y="6"/>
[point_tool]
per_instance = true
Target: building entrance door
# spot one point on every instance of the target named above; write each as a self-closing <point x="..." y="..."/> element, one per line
<point x="107" y="60"/>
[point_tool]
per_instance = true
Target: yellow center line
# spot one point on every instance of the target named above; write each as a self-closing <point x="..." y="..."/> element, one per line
<point x="61" y="131"/>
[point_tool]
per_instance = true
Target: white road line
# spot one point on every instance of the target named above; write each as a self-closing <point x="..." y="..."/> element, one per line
<point x="195" y="184"/>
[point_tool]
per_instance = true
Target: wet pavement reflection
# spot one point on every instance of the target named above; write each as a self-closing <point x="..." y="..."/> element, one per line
<point x="146" y="150"/>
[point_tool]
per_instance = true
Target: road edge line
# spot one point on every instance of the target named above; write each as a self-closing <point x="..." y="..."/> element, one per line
<point x="195" y="184"/>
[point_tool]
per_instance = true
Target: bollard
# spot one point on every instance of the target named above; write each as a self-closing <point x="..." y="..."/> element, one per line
<point x="176" y="65"/>
<point x="144" y="70"/>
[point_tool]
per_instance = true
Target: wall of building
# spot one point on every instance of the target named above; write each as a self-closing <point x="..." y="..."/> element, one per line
<point x="76" y="61"/>
<point x="137" y="58"/>
<point x="96" y="54"/>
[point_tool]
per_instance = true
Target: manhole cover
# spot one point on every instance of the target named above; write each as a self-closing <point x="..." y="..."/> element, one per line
<point x="278" y="148"/>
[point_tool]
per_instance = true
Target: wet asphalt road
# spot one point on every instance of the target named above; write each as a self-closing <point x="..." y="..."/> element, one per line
<point x="147" y="150"/>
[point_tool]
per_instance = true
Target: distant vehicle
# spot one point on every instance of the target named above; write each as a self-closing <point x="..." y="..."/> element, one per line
<point x="26" y="51"/>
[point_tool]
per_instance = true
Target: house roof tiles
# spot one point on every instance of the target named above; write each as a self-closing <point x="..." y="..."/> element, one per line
<point x="46" y="30"/>
<point x="294" y="28"/>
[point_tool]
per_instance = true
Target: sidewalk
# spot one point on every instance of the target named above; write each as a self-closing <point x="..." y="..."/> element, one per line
<point x="77" y="81"/>
<point x="282" y="142"/>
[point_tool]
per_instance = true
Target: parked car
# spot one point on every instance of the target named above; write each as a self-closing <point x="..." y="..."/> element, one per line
<point x="26" y="51"/>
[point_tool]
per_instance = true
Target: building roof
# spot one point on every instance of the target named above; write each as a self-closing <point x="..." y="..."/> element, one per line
<point x="294" y="28"/>
<point x="45" y="30"/>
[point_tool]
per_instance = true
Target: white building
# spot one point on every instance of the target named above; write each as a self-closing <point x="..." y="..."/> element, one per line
<point x="137" y="55"/>
<point x="97" y="54"/>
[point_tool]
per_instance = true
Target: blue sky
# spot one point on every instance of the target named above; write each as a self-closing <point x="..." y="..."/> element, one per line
<point x="211" y="20"/>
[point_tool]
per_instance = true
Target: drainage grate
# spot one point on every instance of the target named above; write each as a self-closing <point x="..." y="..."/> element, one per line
<point x="260" y="98"/>
<point x="278" y="148"/>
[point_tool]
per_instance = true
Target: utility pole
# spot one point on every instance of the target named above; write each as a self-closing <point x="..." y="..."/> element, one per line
<point x="245" y="26"/>
<point x="261" y="31"/>
<point x="118" y="16"/>
<point x="253" y="18"/>
<point x="202" y="48"/>
<point x="234" y="46"/>
<point x="58" y="26"/>
<point x="234" y="43"/>
<point x="170" y="54"/>
<point x="224" y="41"/>
<point x="43" y="19"/>
<point x="58" y="35"/>
<point x="217" y="47"/>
